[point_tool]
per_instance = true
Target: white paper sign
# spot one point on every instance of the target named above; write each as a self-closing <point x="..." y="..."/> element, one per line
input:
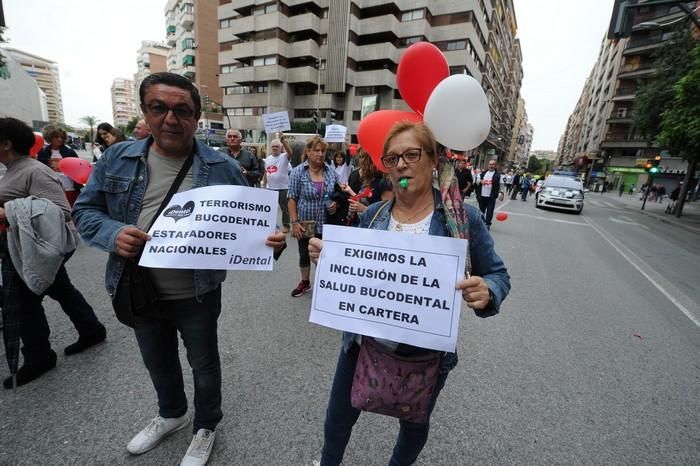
<point x="214" y="227"/>
<point x="390" y="285"/>
<point x="335" y="133"/>
<point x="276" y="122"/>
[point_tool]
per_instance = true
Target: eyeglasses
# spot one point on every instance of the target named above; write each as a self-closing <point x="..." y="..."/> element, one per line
<point x="158" y="110"/>
<point x="390" y="160"/>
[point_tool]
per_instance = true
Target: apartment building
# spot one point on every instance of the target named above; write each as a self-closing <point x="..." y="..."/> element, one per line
<point x="20" y="95"/>
<point x="624" y="148"/>
<point x="46" y="74"/>
<point x="341" y="56"/>
<point x="123" y="103"/>
<point x="191" y="34"/>
<point x="521" y="139"/>
<point x="601" y="126"/>
<point x="151" y="57"/>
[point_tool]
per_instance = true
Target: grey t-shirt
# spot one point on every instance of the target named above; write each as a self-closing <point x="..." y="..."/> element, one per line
<point x="26" y="177"/>
<point x="172" y="283"/>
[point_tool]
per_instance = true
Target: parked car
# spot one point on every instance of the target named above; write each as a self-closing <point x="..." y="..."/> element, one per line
<point x="561" y="192"/>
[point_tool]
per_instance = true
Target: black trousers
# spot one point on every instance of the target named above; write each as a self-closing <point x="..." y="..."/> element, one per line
<point x="486" y="206"/>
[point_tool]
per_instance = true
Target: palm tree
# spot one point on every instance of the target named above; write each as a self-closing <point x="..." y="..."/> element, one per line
<point x="91" y="121"/>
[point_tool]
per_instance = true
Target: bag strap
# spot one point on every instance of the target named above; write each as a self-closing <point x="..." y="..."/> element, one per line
<point x="381" y="207"/>
<point x="174" y="187"/>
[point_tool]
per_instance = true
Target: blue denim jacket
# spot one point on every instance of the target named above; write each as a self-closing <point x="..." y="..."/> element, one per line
<point x="485" y="263"/>
<point x="112" y="200"/>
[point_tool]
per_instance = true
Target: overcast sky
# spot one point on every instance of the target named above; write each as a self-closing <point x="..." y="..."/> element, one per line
<point x="95" y="41"/>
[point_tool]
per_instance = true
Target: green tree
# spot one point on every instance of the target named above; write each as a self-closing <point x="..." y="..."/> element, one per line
<point x="533" y="164"/>
<point x="129" y="129"/>
<point x="655" y="96"/>
<point x="679" y="129"/>
<point x="4" y="73"/>
<point x="306" y="127"/>
<point x="91" y="121"/>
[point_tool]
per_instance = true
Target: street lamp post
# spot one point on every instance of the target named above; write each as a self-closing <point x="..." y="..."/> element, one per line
<point x="623" y="15"/>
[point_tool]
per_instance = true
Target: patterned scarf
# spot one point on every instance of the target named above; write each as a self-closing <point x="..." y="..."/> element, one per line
<point x="455" y="213"/>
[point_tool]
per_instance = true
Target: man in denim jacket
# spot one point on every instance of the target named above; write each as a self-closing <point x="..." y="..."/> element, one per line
<point x="121" y="198"/>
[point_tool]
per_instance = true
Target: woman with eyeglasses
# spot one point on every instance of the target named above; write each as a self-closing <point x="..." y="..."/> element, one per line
<point x="410" y="156"/>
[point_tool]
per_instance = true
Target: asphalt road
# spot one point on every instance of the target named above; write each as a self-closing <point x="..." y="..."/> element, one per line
<point x="593" y="360"/>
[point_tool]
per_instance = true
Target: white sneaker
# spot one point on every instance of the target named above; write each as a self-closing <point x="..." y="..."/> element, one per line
<point x="200" y="448"/>
<point x="154" y="432"/>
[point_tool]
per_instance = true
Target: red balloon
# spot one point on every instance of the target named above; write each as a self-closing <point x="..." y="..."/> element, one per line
<point x="76" y="169"/>
<point x="374" y="127"/>
<point x="38" y="145"/>
<point x="421" y="67"/>
<point x="353" y="150"/>
<point x="501" y="216"/>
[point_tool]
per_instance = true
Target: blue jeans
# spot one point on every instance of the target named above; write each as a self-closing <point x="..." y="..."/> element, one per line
<point x="156" y="334"/>
<point x="523" y="193"/>
<point x="341" y="417"/>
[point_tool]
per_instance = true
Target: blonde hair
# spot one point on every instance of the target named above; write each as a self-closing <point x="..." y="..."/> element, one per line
<point x="421" y="132"/>
<point x="311" y="143"/>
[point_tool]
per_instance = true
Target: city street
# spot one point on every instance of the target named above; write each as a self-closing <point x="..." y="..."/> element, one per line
<point x="594" y="359"/>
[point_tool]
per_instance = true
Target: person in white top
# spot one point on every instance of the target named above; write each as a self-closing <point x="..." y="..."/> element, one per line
<point x="277" y="175"/>
<point x="488" y="188"/>
<point x="342" y="167"/>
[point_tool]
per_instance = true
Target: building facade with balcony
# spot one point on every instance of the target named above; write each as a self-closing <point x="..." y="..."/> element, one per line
<point x="521" y="139"/>
<point x="46" y="74"/>
<point x="623" y="146"/>
<point x="151" y="57"/>
<point x="341" y="56"/>
<point x="123" y="103"/>
<point x="192" y="37"/>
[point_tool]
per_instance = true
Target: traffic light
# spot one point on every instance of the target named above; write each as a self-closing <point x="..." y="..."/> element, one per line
<point x="317" y="121"/>
<point x="655" y="165"/>
<point x="329" y="117"/>
<point x="647" y="166"/>
<point x="206" y="100"/>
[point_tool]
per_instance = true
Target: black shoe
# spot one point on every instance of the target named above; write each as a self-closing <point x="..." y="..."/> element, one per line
<point x="86" y="341"/>
<point x="26" y="373"/>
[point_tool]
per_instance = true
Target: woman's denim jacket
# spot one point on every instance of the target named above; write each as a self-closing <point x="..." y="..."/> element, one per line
<point x="112" y="199"/>
<point x="485" y="263"/>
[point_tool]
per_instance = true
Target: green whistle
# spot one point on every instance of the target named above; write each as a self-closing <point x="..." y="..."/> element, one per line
<point x="403" y="182"/>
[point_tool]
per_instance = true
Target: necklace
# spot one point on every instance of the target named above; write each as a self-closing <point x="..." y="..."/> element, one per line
<point x="415" y="214"/>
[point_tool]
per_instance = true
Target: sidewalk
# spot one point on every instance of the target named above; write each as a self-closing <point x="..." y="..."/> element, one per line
<point x="690" y="220"/>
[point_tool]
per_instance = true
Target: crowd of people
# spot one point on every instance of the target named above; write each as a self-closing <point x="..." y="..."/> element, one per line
<point x="127" y="191"/>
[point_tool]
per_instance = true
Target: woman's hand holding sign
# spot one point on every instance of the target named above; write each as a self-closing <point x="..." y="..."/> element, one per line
<point x="475" y="291"/>
<point x="315" y="246"/>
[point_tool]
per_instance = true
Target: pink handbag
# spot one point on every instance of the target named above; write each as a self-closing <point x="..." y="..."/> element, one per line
<point x="394" y="385"/>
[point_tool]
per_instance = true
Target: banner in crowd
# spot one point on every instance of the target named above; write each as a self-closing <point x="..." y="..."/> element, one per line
<point x="390" y="285"/>
<point x="335" y="133"/>
<point x="276" y="122"/>
<point x="214" y="227"/>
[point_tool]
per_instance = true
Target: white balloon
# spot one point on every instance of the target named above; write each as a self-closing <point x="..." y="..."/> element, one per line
<point x="458" y="113"/>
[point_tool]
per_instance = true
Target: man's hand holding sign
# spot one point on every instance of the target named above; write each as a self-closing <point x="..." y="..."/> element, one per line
<point x="214" y="227"/>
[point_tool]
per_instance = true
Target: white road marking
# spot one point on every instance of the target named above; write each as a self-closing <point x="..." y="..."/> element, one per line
<point x="610" y="205"/>
<point x="549" y="219"/>
<point x="637" y="263"/>
<point x="502" y="205"/>
<point x="627" y="221"/>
